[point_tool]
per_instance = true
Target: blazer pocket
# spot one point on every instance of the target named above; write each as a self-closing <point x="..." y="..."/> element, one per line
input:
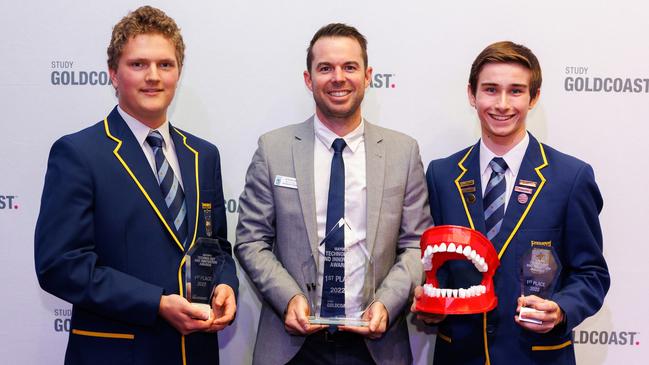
<point x="90" y="347"/>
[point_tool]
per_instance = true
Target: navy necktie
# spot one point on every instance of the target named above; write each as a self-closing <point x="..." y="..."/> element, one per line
<point x="172" y="192"/>
<point x="333" y="281"/>
<point x="494" y="197"/>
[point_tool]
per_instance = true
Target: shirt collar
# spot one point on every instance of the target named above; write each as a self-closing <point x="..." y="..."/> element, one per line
<point x="141" y="131"/>
<point x="353" y="139"/>
<point x="513" y="157"/>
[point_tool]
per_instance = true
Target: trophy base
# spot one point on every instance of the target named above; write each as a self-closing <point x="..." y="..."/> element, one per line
<point x="205" y="308"/>
<point x="528" y="310"/>
<point x="332" y="321"/>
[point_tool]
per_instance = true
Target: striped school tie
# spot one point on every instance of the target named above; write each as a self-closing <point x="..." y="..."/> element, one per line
<point x="170" y="186"/>
<point x="494" y="197"/>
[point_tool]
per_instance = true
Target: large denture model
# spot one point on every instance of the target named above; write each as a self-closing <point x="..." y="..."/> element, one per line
<point x="443" y="243"/>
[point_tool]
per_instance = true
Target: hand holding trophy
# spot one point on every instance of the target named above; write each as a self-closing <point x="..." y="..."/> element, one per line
<point x="540" y="269"/>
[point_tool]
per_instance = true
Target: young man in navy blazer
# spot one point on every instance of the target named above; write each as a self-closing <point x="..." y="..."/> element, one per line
<point x="123" y="201"/>
<point x="549" y="205"/>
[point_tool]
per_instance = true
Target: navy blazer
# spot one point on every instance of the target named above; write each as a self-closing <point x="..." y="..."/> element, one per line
<point x="106" y="243"/>
<point x="561" y="211"/>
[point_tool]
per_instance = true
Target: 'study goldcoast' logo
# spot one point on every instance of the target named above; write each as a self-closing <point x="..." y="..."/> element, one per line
<point x="619" y="338"/>
<point x="8" y="202"/>
<point x="382" y="81"/>
<point x="578" y="80"/>
<point x="63" y="74"/>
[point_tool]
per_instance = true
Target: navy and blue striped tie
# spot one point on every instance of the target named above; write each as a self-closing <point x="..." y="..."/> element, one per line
<point x="494" y="197"/>
<point x="172" y="192"/>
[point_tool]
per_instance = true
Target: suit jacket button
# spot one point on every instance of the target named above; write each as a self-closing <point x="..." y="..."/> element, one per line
<point x="491" y="329"/>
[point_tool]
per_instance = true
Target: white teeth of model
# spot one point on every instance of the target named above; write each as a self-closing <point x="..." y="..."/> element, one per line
<point x="455" y="291"/>
<point x="483" y="289"/>
<point x="472" y="255"/>
<point x="428" y="290"/>
<point x="427" y="263"/>
<point x="451" y="247"/>
<point x="427" y="259"/>
<point x="459" y="249"/>
<point x="472" y="291"/>
<point x="442" y="247"/>
<point x="437" y="293"/>
<point x="467" y="251"/>
<point x="482" y="261"/>
<point x="435" y="248"/>
<point x="446" y="293"/>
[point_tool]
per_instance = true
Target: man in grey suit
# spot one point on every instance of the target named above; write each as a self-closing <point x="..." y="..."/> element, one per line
<point x="304" y="178"/>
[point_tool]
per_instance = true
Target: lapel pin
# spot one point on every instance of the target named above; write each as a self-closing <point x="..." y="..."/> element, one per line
<point x="520" y="189"/>
<point x="466" y="183"/>
<point x="531" y="184"/>
<point x="468" y="189"/>
<point x="207" y="211"/>
<point x="522" y="198"/>
<point x="470" y="197"/>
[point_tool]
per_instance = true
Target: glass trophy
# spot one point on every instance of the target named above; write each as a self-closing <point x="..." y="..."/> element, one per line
<point x="357" y="260"/>
<point x="204" y="263"/>
<point x="540" y="269"/>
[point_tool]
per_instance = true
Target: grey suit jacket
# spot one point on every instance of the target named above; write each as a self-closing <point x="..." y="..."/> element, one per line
<point x="277" y="236"/>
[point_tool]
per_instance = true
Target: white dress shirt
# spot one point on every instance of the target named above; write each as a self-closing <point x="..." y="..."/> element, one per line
<point x="355" y="209"/>
<point x="513" y="158"/>
<point x="141" y="131"/>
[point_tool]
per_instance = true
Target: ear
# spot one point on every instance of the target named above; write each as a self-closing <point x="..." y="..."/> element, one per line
<point x="368" y="76"/>
<point x="470" y="95"/>
<point x="536" y="98"/>
<point x="307" y="80"/>
<point x="113" y="77"/>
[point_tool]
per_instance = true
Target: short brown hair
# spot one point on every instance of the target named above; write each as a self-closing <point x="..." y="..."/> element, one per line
<point x="336" y="30"/>
<point x="144" y="20"/>
<point x="507" y="52"/>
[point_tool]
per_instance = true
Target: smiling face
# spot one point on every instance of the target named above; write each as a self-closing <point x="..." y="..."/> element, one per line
<point x="146" y="78"/>
<point x="502" y="100"/>
<point x="338" y="77"/>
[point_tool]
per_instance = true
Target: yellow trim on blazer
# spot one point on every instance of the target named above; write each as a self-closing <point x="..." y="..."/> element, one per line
<point x="549" y="348"/>
<point x="123" y="336"/>
<point x="486" y="342"/>
<point x="198" y="189"/>
<point x="182" y="262"/>
<point x="139" y="185"/>
<point x="459" y="188"/>
<point x="529" y="206"/>
<point x="180" y="292"/>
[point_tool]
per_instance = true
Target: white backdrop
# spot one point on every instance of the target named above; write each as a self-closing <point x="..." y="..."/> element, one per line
<point x="243" y="76"/>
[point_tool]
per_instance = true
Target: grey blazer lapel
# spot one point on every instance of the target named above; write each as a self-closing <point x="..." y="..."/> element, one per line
<point x="375" y="175"/>
<point x="303" y="165"/>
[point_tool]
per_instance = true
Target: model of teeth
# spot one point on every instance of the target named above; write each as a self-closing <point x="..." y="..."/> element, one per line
<point x="470" y="254"/>
<point x="444" y="243"/>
